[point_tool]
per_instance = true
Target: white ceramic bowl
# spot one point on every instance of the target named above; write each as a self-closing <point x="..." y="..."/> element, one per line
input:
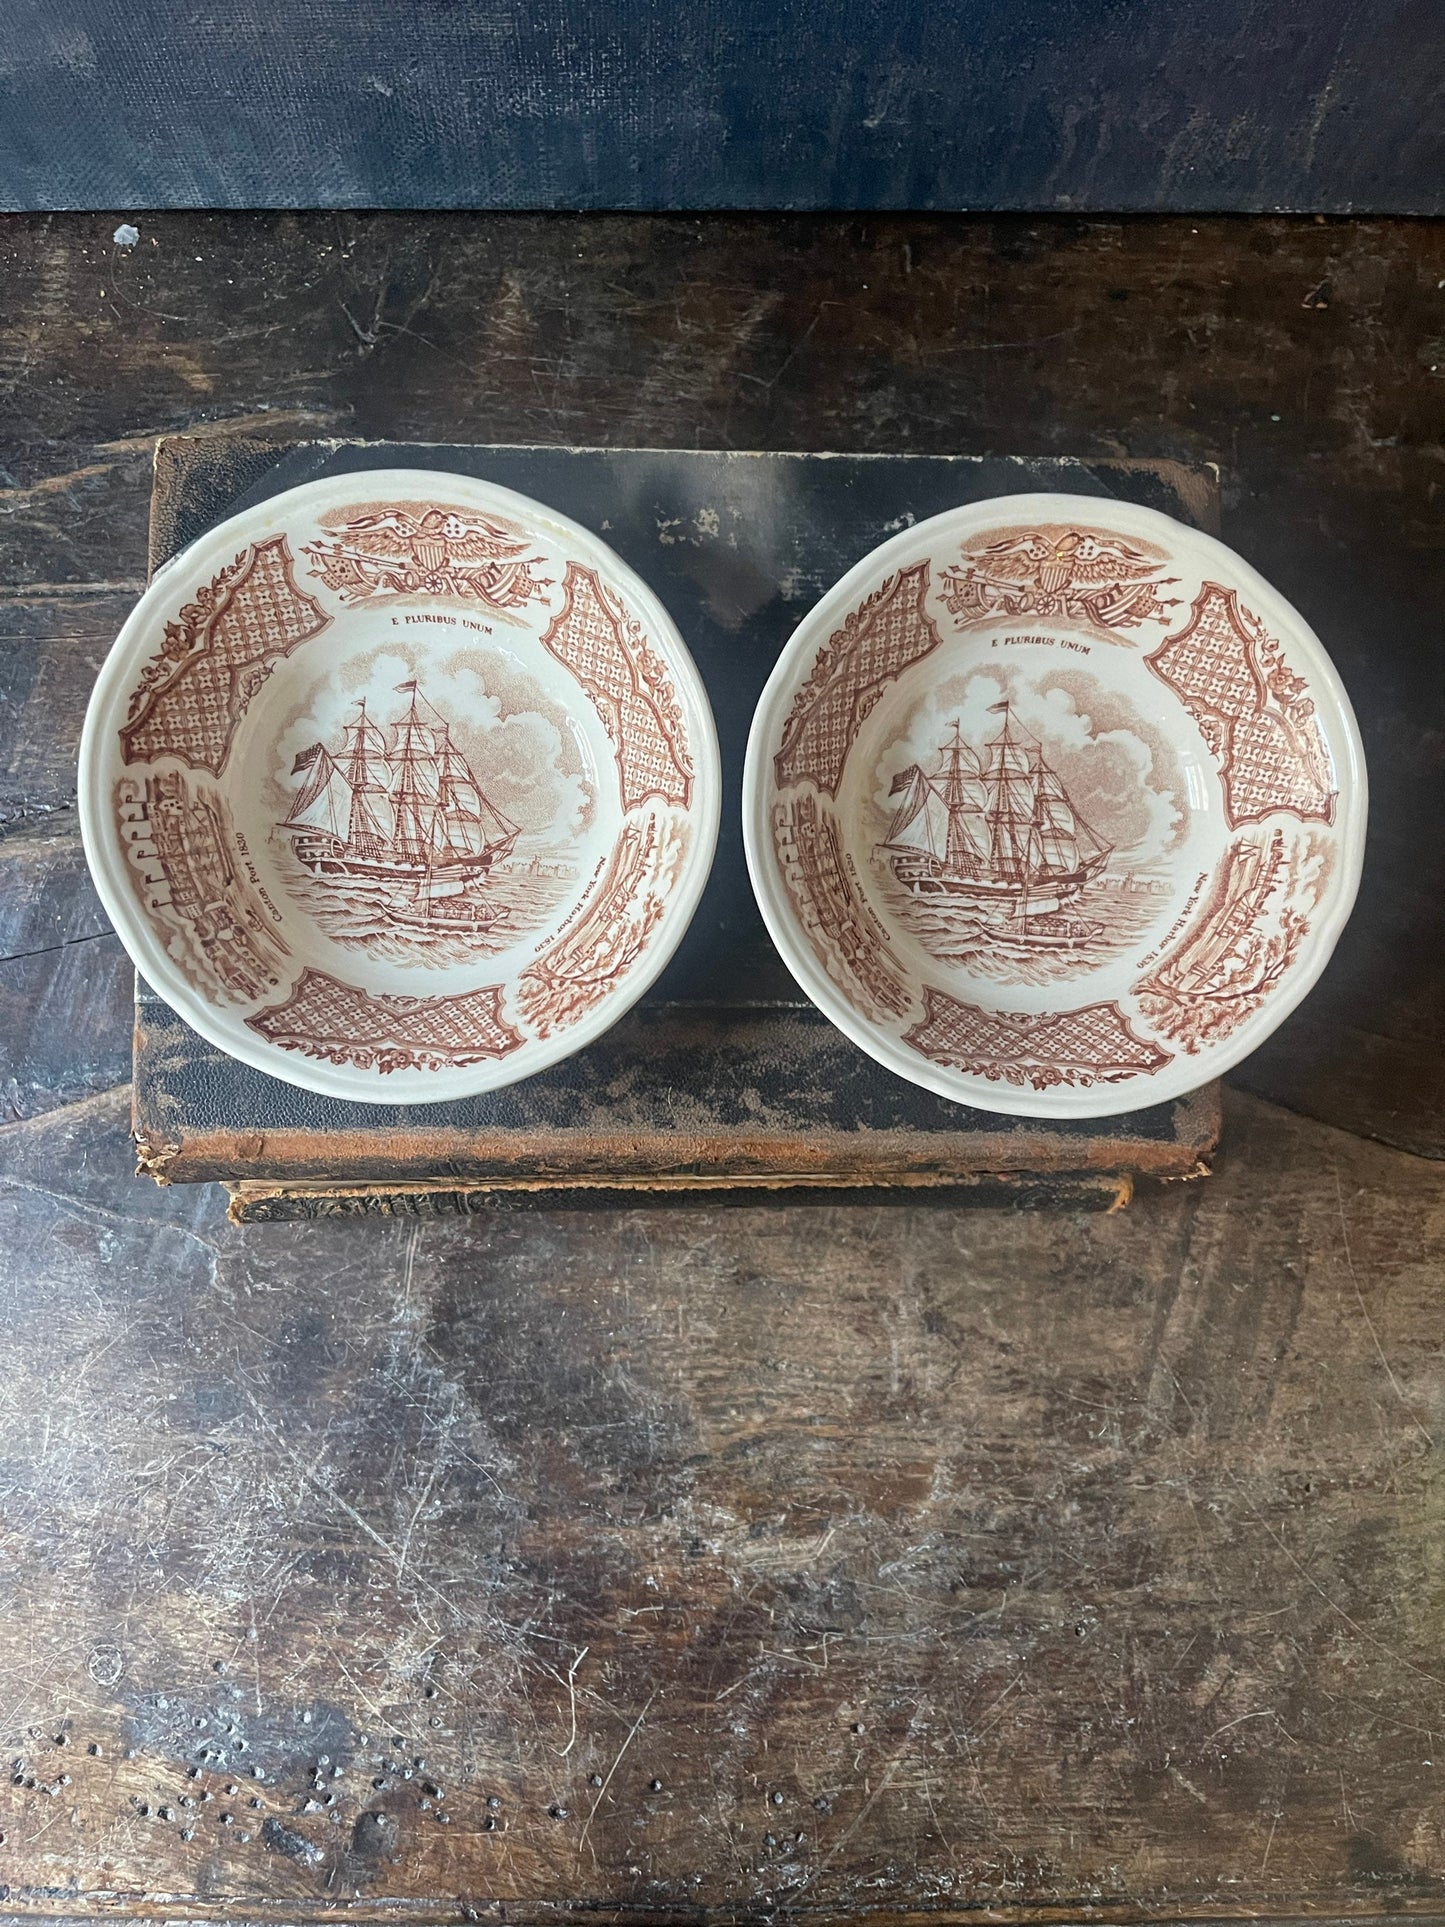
<point x="399" y="786"/>
<point x="1054" y="806"/>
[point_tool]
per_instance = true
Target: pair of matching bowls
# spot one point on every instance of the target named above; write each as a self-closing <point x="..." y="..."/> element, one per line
<point x="401" y="787"/>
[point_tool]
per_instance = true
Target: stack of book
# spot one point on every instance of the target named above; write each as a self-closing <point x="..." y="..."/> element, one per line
<point x="724" y="1079"/>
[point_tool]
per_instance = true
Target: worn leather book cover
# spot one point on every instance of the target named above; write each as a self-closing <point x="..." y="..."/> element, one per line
<point x="724" y="1076"/>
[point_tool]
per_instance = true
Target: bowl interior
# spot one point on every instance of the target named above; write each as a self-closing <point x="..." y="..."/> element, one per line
<point x="403" y="786"/>
<point x="1029" y="815"/>
<point x="1055" y="806"/>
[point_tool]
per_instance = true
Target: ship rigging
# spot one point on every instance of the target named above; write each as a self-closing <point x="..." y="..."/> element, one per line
<point x="995" y="832"/>
<point x="402" y="809"/>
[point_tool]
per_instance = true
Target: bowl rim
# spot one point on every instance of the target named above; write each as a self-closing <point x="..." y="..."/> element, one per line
<point x="1186" y="1073"/>
<point x="106" y="859"/>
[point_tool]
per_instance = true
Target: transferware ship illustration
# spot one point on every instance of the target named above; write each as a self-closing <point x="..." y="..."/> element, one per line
<point x="403" y="809"/>
<point x="996" y="834"/>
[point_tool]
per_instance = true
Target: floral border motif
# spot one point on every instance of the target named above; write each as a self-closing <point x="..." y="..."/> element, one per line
<point x="595" y="637"/>
<point x="214" y="657"/>
<point x="1093" y="1045"/>
<point x="877" y="641"/>
<point x="1251" y="708"/>
<point x="341" y="1023"/>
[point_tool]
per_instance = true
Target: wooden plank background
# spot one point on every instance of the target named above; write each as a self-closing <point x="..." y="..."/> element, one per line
<point x="1307" y="358"/>
<point x="838" y="1560"/>
<point x="833" y="1560"/>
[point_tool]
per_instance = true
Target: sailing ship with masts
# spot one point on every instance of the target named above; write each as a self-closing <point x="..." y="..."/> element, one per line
<point x="401" y="812"/>
<point x="996" y="833"/>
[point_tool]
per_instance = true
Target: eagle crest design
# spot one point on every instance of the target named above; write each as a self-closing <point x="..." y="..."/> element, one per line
<point x="1080" y="575"/>
<point x="423" y="548"/>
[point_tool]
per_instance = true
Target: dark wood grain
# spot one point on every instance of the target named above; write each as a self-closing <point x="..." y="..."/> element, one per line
<point x="65" y="982"/>
<point x="1304" y="357"/>
<point x="1047" y="1566"/>
<point x="838" y="1562"/>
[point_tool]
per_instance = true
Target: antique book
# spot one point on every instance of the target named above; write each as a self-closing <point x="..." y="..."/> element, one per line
<point x="724" y="1077"/>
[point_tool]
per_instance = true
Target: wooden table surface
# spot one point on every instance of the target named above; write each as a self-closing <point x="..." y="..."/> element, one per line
<point x="680" y="1564"/>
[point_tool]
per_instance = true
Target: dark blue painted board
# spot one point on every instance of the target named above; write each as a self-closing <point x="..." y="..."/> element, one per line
<point x="1008" y="104"/>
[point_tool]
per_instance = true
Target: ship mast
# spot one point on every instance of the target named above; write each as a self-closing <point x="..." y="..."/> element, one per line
<point x="997" y="828"/>
<point x="1011" y="784"/>
<point x="415" y="806"/>
<point x="368" y="829"/>
<point x="953" y="790"/>
<point x="406" y="799"/>
<point x="442" y="814"/>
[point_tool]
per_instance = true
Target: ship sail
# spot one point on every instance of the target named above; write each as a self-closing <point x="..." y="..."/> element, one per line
<point x="324" y="801"/>
<point x="1000" y="826"/>
<point x="473" y="824"/>
<point x="1064" y="840"/>
<point x="921" y="819"/>
<point x="1009" y="785"/>
<point x="367" y="777"/>
<point x="942" y="815"/>
<point x="417" y="792"/>
<point x="408" y="806"/>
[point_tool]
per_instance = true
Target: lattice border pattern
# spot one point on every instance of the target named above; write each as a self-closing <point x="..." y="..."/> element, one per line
<point x="881" y="638"/>
<point x="194" y="692"/>
<point x="344" y="1024"/>
<point x="1092" y="1045"/>
<point x="1251" y="708"/>
<point x="594" y="636"/>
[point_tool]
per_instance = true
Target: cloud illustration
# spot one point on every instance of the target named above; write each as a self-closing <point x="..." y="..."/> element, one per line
<point x="516" y="740"/>
<point x="1119" y="773"/>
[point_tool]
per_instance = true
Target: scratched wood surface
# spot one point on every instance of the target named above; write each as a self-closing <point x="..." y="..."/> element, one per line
<point x="837" y="1559"/>
<point x="1307" y="358"/>
<point x="726" y="1561"/>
